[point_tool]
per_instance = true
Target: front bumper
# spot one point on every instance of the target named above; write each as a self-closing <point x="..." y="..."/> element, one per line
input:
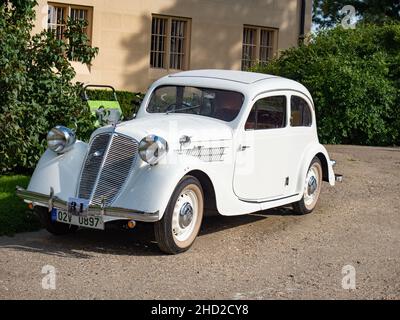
<point x="50" y="201"/>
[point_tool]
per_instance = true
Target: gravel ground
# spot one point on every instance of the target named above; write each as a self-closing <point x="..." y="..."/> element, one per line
<point x="268" y="255"/>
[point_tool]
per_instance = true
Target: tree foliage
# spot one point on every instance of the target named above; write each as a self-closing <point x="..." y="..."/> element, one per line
<point x="36" y="84"/>
<point x="354" y="78"/>
<point x="326" y="13"/>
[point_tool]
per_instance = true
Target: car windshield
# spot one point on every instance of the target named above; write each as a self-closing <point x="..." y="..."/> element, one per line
<point x="219" y="104"/>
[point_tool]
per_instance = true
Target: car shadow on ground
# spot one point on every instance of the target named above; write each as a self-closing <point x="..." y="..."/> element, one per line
<point x="216" y="223"/>
<point x="85" y="243"/>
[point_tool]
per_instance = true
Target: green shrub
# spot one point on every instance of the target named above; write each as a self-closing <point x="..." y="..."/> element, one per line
<point x="36" y="84"/>
<point x="14" y="214"/>
<point x="354" y="78"/>
<point x="129" y="101"/>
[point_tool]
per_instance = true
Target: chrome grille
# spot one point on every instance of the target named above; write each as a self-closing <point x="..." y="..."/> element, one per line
<point x="92" y="166"/>
<point x="121" y="154"/>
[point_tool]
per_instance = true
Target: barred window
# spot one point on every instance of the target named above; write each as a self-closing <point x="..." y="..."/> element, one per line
<point x="258" y="46"/>
<point x="178" y="30"/>
<point x="266" y="45"/>
<point x="80" y="14"/>
<point x="57" y="20"/>
<point x="58" y="15"/>
<point x="158" y="42"/>
<point x="249" y="47"/>
<point x="169" y="43"/>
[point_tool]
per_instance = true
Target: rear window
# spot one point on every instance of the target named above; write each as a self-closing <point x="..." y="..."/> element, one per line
<point x="214" y="103"/>
<point x="300" y="115"/>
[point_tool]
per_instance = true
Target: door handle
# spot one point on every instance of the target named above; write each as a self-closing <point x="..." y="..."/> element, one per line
<point x="244" y="148"/>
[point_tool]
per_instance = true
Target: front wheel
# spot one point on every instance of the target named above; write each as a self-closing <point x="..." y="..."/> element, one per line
<point x="311" y="190"/>
<point x="181" y="222"/>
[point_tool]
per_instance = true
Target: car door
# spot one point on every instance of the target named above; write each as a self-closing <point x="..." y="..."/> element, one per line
<point x="301" y="132"/>
<point x="261" y="166"/>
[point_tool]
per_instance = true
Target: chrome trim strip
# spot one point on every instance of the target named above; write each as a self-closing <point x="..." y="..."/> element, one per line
<point x="271" y="200"/>
<point x="123" y="213"/>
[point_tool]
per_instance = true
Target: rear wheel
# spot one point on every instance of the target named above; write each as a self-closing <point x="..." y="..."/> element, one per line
<point x="311" y="190"/>
<point x="56" y="228"/>
<point x="178" y="228"/>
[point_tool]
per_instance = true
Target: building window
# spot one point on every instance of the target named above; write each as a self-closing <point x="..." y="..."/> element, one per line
<point x="57" y="20"/>
<point x="178" y="34"/>
<point x="266" y="45"/>
<point x="249" y="47"/>
<point x="59" y="13"/>
<point x="158" y="42"/>
<point x="258" y="46"/>
<point x="169" y="43"/>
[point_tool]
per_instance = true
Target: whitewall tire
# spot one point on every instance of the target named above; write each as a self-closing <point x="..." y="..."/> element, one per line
<point x="180" y="225"/>
<point x="311" y="189"/>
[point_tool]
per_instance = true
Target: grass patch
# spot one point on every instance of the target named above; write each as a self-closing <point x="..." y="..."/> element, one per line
<point x="14" y="213"/>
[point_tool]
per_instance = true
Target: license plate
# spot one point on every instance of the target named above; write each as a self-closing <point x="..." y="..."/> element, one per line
<point x="93" y="222"/>
<point x="78" y="207"/>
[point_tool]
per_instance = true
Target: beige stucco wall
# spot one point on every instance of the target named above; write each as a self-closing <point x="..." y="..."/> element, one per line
<point x="121" y="29"/>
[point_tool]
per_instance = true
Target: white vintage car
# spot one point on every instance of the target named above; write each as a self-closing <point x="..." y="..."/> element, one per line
<point x="209" y="140"/>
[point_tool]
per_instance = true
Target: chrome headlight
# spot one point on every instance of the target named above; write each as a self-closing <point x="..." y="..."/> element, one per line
<point x="152" y="148"/>
<point x="60" y="139"/>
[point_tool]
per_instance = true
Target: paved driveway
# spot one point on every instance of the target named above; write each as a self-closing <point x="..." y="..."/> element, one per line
<point x="271" y="254"/>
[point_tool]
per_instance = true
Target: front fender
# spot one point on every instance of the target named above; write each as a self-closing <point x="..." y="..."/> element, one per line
<point x="60" y="172"/>
<point x="149" y="188"/>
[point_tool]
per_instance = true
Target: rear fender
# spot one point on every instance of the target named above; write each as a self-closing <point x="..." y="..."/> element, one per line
<point x="311" y="152"/>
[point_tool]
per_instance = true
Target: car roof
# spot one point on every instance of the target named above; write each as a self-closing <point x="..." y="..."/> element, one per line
<point x="249" y="83"/>
<point x="229" y="75"/>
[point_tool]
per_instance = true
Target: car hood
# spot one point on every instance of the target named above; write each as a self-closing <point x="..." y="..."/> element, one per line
<point x="172" y="127"/>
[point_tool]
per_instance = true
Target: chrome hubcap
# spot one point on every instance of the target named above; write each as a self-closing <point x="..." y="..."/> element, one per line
<point x="311" y="186"/>
<point x="185" y="215"/>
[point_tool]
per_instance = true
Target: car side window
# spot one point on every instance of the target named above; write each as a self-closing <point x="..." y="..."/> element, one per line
<point x="300" y="114"/>
<point x="267" y="113"/>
